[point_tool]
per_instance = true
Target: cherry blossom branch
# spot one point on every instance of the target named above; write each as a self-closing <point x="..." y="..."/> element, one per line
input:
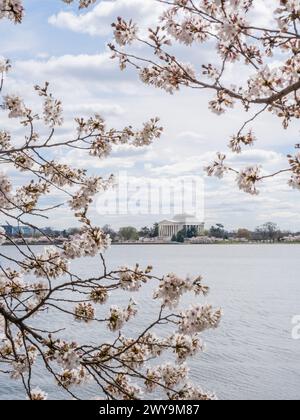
<point x="43" y="283"/>
<point x="230" y="26"/>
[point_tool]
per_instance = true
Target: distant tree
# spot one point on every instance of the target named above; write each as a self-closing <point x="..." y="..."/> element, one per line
<point x="73" y="231"/>
<point x="181" y="236"/>
<point x="174" y="238"/>
<point x="108" y="230"/>
<point x="145" y="232"/>
<point x="191" y="233"/>
<point x="285" y="234"/>
<point x="268" y="232"/>
<point x="281" y="235"/>
<point x="155" y="231"/>
<point x="257" y="235"/>
<point x="218" y="231"/>
<point x="129" y="233"/>
<point x="243" y="234"/>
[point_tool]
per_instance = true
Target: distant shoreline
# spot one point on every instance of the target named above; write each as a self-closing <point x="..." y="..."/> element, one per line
<point x="216" y="243"/>
<point x="55" y="243"/>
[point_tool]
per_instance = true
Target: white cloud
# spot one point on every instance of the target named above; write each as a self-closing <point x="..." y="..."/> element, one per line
<point x="267" y="158"/>
<point x="66" y="65"/>
<point x="88" y="109"/>
<point x="97" y="21"/>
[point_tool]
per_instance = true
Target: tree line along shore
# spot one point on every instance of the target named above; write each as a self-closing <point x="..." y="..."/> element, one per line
<point x="269" y="233"/>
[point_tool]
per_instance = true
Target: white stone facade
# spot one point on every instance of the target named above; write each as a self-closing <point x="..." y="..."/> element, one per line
<point x="169" y="228"/>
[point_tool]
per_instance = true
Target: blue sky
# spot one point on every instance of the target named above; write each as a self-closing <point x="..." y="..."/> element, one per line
<point x="68" y="48"/>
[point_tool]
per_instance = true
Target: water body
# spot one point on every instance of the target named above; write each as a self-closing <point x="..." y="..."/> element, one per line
<point x="252" y="355"/>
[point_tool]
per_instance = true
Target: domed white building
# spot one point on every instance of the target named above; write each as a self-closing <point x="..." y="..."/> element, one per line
<point x="169" y="228"/>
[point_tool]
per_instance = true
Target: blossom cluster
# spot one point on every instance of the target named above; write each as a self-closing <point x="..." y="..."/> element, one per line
<point x="12" y="284"/>
<point x="38" y="395"/>
<point x="125" y="32"/>
<point x="12" y="9"/>
<point x="82" y="3"/>
<point x="191" y="393"/>
<point x="222" y="101"/>
<point x="288" y="13"/>
<point x="236" y="142"/>
<point x="104" y="139"/>
<point x="5" y="140"/>
<point x="294" y="161"/>
<point x="169" y="77"/>
<point x="218" y="167"/>
<point x="99" y="295"/>
<point x="52" y="107"/>
<point x="123" y="388"/>
<point x="118" y="317"/>
<point x="69" y="378"/>
<point x="5" y="65"/>
<point x="185" y="346"/>
<point x="132" y="279"/>
<point x="28" y="195"/>
<point x="84" y="312"/>
<point x="91" y="186"/>
<point x="2" y="327"/>
<point x="15" y="106"/>
<point x="188" y="30"/>
<point x="50" y="264"/>
<point x="173" y="287"/>
<point x="5" y="191"/>
<point x="23" y="161"/>
<point x="61" y="175"/>
<point x="2" y="235"/>
<point x="248" y="178"/>
<point x="198" y="319"/>
<point x="169" y="374"/>
<point x="89" y="243"/>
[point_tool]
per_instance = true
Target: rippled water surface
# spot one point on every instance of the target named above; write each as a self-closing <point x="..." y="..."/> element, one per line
<point x="252" y="355"/>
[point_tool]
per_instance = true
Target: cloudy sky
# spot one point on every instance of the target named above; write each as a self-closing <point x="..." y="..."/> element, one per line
<point x="67" y="48"/>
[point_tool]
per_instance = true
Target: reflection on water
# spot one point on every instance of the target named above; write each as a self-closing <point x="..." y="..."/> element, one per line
<point x="252" y="355"/>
